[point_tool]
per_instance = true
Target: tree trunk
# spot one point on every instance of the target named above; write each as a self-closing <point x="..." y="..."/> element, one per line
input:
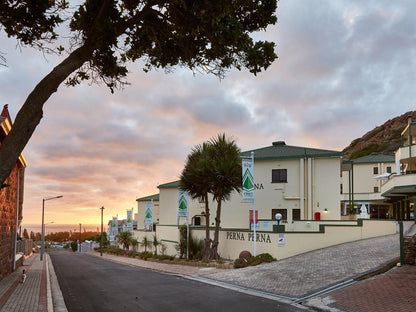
<point x="215" y="243"/>
<point x="31" y="112"/>
<point x="207" y="234"/>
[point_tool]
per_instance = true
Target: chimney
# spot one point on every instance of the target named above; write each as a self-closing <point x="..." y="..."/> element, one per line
<point x="409" y="119"/>
<point x="279" y="143"/>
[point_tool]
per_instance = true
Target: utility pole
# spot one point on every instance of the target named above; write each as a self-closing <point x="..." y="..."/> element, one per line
<point x="101" y="241"/>
<point x="80" y="242"/>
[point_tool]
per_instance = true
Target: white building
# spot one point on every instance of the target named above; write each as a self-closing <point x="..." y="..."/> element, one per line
<point x="361" y="182"/>
<point x="302" y="184"/>
<point x="400" y="189"/>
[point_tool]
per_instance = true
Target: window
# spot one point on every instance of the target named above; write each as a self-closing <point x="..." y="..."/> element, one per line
<point x="296" y="214"/>
<point x="375" y="189"/>
<point x="388" y="169"/>
<point x="375" y="170"/>
<point x="279" y="175"/>
<point x="283" y="212"/>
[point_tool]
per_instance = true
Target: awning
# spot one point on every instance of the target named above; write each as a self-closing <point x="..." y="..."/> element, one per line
<point x="383" y="176"/>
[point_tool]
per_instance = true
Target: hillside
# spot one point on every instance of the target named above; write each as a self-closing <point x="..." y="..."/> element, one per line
<point x="384" y="139"/>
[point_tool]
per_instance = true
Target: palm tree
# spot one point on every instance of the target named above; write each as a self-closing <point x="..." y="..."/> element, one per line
<point x="195" y="180"/>
<point x="124" y="238"/>
<point x="156" y="243"/>
<point x="225" y="176"/>
<point x="134" y="242"/>
<point x="146" y="243"/>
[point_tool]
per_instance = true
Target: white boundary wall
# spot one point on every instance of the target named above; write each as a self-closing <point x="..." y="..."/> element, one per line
<point x="233" y="241"/>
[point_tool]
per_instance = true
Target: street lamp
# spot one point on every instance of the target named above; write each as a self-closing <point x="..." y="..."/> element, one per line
<point x="101" y="240"/>
<point x="80" y="246"/>
<point x="42" y="250"/>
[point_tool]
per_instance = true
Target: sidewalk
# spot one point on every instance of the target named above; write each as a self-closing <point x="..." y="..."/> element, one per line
<point x="35" y="294"/>
<point x="391" y="291"/>
<point x="28" y="296"/>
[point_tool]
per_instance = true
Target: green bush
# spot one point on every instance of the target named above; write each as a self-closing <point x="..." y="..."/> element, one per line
<point x="74" y="246"/>
<point x="196" y="246"/>
<point x="240" y="263"/>
<point x="145" y="255"/>
<point x="252" y="261"/>
<point x="165" y="257"/>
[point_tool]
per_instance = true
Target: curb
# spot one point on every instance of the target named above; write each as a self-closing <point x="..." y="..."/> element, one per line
<point x="55" y="296"/>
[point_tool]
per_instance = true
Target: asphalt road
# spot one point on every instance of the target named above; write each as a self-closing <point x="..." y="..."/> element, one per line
<point x="93" y="284"/>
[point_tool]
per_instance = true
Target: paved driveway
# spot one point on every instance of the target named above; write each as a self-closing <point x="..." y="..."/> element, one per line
<point x="308" y="273"/>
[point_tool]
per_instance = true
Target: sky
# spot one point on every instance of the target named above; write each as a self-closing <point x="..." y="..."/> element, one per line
<point x="343" y="68"/>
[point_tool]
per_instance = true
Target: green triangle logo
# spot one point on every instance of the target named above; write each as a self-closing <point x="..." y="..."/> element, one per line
<point x="148" y="214"/>
<point x="248" y="181"/>
<point x="182" y="203"/>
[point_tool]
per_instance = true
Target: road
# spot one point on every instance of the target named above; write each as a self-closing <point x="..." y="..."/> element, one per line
<point x="93" y="284"/>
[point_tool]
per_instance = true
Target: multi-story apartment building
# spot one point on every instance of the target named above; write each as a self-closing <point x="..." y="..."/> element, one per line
<point x="361" y="182"/>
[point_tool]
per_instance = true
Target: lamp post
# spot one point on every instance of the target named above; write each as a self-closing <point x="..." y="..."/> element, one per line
<point x="42" y="250"/>
<point x="101" y="241"/>
<point x="80" y="242"/>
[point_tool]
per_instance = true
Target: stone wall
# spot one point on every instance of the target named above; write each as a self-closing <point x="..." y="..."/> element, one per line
<point x="8" y="206"/>
<point x="410" y="249"/>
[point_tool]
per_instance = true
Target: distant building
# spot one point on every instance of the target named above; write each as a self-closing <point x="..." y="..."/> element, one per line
<point x="400" y="189"/>
<point x="116" y="226"/>
<point x="141" y="209"/>
<point x="11" y="204"/>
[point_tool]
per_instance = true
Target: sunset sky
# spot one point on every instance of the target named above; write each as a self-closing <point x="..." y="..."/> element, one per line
<point x="344" y="67"/>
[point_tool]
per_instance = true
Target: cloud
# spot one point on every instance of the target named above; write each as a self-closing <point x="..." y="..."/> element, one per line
<point x="344" y="67"/>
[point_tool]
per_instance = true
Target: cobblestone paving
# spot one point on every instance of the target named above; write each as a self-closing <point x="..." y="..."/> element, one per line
<point x="392" y="291"/>
<point x="310" y="272"/>
<point x="26" y="296"/>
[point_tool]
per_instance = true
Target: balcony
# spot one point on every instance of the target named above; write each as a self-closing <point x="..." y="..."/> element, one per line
<point x="400" y="186"/>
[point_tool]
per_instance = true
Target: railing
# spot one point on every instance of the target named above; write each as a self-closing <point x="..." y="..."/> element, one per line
<point x="24" y="246"/>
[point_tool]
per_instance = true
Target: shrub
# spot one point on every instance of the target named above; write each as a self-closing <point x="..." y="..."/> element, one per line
<point x="240" y="263"/>
<point x="252" y="261"/>
<point x="74" y="246"/>
<point x="165" y="257"/>
<point x="144" y="255"/>
<point x="196" y="246"/>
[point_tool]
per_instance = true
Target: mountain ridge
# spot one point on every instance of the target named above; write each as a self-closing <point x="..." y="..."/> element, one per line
<point x="384" y="139"/>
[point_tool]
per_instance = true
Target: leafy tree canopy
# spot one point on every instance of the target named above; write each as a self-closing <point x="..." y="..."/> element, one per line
<point x="208" y="36"/>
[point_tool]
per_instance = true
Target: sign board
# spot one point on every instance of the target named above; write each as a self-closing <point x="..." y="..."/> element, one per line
<point x="129" y="221"/>
<point x="148" y="215"/>
<point x="183" y="204"/>
<point x="256" y="221"/>
<point x="266" y="224"/>
<point x="248" y="178"/>
<point x="281" y="240"/>
<point x="113" y="228"/>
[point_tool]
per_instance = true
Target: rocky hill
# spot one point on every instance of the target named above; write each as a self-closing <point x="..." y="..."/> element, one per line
<point x="384" y="139"/>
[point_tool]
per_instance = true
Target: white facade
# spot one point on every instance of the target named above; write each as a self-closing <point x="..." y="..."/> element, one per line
<point x="309" y="190"/>
<point x="141" y="209"/>
<point x="362" y="180"/>
<point x="302" y="184"/>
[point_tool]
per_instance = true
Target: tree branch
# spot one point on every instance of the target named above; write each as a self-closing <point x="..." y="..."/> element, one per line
<point x="31" y="112"/>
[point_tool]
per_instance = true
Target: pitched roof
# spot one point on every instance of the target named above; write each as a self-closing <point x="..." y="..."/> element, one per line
<point x="174" y="184"/>
<point x="373" y="158"/>
<point x="279" y="150"/>
<point x="155" y="197"/>
<point x="5" y="127"/>
<point x="5" y="113"/>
